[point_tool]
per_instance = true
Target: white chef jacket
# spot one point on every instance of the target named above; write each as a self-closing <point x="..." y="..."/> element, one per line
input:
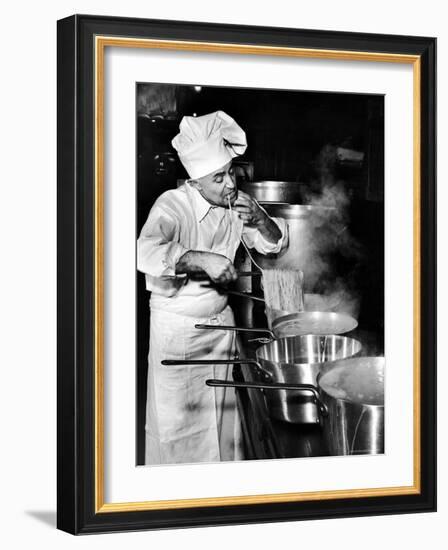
<point x="182" y="220"/>
<point x="186" y="421"/>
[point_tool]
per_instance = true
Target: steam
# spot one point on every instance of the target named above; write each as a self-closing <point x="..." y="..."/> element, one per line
<point x="332" y="248"/>
<point x="337" y="298"/>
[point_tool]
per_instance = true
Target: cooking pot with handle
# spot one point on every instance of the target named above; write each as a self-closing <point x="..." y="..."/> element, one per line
<point x="350" y="401"/>
<point x="295" y="360"/>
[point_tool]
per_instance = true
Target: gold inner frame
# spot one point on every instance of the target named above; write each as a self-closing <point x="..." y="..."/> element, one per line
<point x="101" y="42"/>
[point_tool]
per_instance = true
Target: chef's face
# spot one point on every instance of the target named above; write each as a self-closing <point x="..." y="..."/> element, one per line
<point x="219" y="187"/>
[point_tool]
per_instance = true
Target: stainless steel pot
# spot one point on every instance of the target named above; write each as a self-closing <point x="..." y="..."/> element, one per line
<point x="296" y="360"/>
<point x="349" y="400"/>
<point x="275" y="191"/>
<point x="353" y="393"/>
<point x="299" y="360"/>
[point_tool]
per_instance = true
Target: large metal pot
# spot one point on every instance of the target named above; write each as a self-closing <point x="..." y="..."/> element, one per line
<point x="299" y="360"/>
<point x="350" y="403"/>
<point x="295" y="360"/>
<point x="275" y="191"/>
<point x="352" y="391"/>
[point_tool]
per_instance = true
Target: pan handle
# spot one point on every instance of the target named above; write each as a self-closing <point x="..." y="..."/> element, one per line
<point x="172" y="362"/>
<point x="236" y="329"/>
<point x="271" y="386"/>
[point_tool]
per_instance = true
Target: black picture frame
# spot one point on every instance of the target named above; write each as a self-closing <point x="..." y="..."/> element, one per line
<point x="78" y="511"/>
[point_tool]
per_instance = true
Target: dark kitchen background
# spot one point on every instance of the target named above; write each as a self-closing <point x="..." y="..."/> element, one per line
<point x="292" y="136"/>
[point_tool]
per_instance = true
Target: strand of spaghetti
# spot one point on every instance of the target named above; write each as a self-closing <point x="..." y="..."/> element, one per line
<point x="241" y="239"/>
<point x="283" y="288"/>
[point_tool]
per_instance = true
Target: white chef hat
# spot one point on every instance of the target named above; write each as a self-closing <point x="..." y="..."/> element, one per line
<point x="206" y="143"/>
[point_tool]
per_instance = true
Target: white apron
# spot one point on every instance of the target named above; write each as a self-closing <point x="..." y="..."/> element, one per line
<point x="186" y="420"/>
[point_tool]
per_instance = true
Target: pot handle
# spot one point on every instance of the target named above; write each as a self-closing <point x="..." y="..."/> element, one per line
<point x="271" y="386"/>
<point x="236" y="329"/>
<point x="173" y="362"/>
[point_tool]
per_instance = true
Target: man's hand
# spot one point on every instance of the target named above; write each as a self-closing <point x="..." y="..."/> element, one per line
<point x="219" y="268"/>
<point x="253" y="216"/>
<point x="249" y="210"/>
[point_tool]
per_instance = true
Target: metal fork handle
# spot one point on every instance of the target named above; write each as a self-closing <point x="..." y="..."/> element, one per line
<point x="228" y="291"/>
<point x="245" y="295"/>
<point x="249" y="273"/>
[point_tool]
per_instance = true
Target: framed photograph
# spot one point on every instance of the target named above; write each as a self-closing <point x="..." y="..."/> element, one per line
<point x="246" y="274"/>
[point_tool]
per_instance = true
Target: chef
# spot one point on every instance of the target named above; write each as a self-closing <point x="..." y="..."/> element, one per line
<point x="196" y="229"/>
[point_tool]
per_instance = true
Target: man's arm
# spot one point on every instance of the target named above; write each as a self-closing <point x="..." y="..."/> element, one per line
<point x="158" y="249"/>
<point x="253" y="216"/>
<point x="269" y="230"/>
<point x="219" y="268"/>
<point x="159" y="254"/>
<point x="260" y="231"/>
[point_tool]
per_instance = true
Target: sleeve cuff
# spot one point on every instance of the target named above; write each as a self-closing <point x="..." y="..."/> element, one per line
<point x="173" y="254"/>
<point x="283" y="241"/>
<point x="264" y="246"/>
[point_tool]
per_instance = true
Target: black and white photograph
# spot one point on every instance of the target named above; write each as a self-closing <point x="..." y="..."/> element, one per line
<point x="259" y="274"/>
